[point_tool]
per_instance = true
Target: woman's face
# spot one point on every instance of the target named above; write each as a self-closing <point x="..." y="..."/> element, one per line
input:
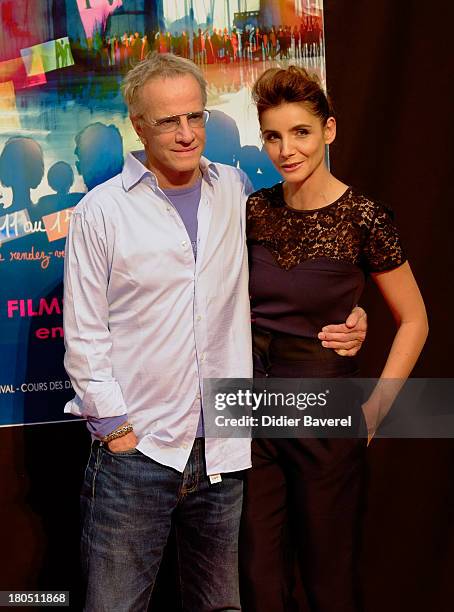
<point x="295" y="139"/>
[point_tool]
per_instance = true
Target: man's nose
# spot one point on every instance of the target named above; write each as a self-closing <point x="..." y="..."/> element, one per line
<point x="184" y="132"/>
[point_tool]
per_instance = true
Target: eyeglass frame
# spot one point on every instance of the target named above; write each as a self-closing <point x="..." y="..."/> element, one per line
<point x="157" y="122"/>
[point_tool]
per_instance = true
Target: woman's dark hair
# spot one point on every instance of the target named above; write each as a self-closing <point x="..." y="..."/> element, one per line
<point x="293" y="84"/>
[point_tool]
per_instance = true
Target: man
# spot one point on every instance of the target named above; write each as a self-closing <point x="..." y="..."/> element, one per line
<point x="147" y="318"/>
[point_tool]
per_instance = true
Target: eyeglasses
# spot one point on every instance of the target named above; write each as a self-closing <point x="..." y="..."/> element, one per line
<point x="172" y="123"/>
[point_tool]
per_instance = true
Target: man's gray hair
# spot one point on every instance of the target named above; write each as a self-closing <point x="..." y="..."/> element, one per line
<point x="158" y="66"/>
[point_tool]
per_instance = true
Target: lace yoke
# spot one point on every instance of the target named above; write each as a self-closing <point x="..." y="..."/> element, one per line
<point x="353" y="229"/>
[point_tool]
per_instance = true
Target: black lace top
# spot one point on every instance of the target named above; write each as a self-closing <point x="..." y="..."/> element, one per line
<point x="308" y="267"/>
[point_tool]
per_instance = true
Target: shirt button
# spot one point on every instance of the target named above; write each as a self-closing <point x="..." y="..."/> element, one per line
<point x="168" y="209"/>
<point x="198" y="318"/>
<point x="203" y="357"/>
<point x="197" y="396"/>
<point x="184" y="243"/>
<point x="185" y="446"/>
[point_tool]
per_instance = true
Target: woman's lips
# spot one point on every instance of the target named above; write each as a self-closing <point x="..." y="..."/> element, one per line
<point x="291" y="167"/>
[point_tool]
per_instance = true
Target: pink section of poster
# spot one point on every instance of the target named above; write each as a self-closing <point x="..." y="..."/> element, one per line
<point x="95" y="12"/>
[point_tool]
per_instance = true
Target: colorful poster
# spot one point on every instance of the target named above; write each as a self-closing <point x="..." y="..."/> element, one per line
<point x="64" y="129"/>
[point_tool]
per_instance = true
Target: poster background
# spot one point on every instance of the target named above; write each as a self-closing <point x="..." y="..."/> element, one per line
<point x="64" y="129"/>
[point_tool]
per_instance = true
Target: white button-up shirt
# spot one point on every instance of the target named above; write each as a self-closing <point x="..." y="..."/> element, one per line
<point x="145" y="323"/>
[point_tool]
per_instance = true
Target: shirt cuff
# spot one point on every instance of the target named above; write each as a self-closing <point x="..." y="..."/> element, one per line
<point x="102" y="427"/>
<point x="101" y="399"/>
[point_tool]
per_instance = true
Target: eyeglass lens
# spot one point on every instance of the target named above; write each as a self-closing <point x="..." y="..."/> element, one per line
<point x="171" y="124"/>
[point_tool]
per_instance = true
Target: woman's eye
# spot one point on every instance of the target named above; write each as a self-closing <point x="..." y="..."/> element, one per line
<point x="271" y="137"/>
<point x="302" y="132"/>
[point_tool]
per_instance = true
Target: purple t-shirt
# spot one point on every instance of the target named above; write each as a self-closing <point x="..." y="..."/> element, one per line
<point x="186" y="202"/>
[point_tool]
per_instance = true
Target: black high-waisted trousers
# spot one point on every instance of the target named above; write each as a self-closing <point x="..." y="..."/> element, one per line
<point x="301" y="514"/>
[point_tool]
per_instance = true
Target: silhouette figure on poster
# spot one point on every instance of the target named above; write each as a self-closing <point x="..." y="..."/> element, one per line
<point x="136" y="47"/>
<point x="21" y="169"/>
<point x="99" y="152"/>
<point x="258" y="167"/>
<point x="223" y="139"/>
<point x="60" y="178"/>
<point x="224" y="146"/>
<point x="62" y="53"/>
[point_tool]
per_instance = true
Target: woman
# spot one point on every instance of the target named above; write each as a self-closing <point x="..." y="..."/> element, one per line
<point x="312" y="240"/>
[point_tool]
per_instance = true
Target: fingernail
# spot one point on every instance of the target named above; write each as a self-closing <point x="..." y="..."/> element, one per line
<point x="324" y="343"/>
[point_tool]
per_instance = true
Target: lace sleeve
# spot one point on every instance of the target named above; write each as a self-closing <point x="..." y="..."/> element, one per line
<point x="383" y="248"/>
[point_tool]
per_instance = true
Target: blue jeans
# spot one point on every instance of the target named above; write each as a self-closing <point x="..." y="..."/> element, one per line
<point x="128" y="505"/>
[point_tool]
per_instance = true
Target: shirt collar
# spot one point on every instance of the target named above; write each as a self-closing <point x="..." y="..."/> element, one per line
<point x="209" y="170"/>
<point x="134" y="171"/>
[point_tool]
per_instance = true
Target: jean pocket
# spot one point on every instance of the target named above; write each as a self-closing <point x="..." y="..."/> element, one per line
<point x="124" y="453"/>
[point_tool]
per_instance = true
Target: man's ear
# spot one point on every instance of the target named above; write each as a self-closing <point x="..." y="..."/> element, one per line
<point x="138" y="127"/>
<point x="330" y="130"/>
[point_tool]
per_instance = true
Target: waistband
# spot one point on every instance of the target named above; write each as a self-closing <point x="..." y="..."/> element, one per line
<point x="272" y="347"/>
